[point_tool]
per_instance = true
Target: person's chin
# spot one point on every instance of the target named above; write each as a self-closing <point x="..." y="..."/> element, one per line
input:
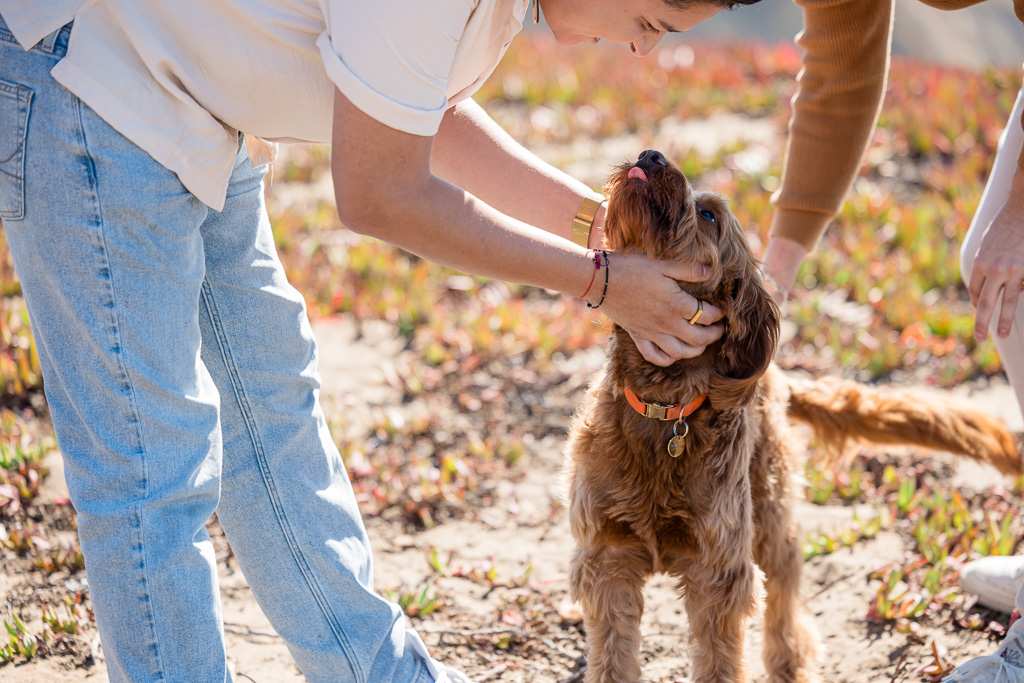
<point x="568" y="38"/>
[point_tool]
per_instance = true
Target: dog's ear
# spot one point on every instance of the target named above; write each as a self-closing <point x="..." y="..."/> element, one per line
<point x="751" y="333"/>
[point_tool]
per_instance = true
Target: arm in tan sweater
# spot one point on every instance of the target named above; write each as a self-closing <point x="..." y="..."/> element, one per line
<point x="834" y="112"/>
<point x="841" y="86"/>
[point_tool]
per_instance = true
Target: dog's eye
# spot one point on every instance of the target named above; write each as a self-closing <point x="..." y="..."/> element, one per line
<point x="707" y="214"/>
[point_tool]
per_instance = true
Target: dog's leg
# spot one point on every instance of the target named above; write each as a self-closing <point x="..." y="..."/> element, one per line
<point x="791" y="641"/>
<point x="607" y="580"/>
<point x="719" y="600"/>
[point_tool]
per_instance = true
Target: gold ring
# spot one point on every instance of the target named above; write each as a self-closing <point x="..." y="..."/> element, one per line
<point x="699" y="313"/>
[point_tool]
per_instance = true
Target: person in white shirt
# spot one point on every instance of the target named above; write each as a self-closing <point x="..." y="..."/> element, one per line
<point x="179" y="365"/>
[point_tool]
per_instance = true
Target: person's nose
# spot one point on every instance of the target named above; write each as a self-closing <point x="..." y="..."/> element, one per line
<point x="643" y="47"/>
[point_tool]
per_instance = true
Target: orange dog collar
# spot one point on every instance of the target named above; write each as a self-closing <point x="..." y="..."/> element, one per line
<point x="657" y="411"/>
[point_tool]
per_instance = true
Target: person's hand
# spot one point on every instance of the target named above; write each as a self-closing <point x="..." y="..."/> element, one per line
<point x="645" y="299"/>
<point x="781" y="261"/>
<point x="999" y="265"/>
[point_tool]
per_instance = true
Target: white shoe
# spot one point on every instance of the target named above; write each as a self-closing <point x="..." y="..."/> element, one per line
<point x="995" y="579"/>
<point x="440" y="672"/>
<point x="1005" y="666"/>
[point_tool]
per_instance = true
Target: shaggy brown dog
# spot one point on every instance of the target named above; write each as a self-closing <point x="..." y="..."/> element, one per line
<point x="717" y="511"/>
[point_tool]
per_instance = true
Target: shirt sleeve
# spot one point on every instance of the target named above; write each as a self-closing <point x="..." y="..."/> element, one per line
<point x="393" y="58"/>
<point x="839" y="96"/>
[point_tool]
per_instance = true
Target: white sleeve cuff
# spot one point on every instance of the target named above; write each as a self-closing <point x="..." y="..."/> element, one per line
<point x="374" y="104"/>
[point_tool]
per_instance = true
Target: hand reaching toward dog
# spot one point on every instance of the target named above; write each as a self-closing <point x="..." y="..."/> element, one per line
<point x="995" y="281"/>
<point x="645" y="299"/>
<point x="781" y="262"/>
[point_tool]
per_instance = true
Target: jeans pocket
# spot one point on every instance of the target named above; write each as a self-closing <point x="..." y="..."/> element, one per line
<point x="15" y="103"/>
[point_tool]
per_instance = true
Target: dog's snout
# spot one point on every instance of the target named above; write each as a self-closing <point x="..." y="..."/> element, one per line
<point x="652" y="157"/>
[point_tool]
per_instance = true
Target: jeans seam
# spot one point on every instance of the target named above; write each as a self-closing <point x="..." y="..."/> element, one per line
<point x="244" y="408"/>
<point x="23" y="96"/>
<point x="106" y="274"/>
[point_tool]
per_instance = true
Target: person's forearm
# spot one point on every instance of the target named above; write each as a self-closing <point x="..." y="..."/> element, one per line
<point x="386" y="190"/>
<point x="453" y="228"/>
<point x="473" y="152"/>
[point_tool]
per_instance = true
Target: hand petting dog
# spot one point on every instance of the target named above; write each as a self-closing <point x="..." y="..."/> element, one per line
<point x="690" y="338"/>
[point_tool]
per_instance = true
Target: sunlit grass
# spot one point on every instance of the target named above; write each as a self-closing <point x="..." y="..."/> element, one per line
<point x="946" y="529"/>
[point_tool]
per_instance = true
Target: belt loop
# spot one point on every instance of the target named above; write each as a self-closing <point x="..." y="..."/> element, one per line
<point x="48" y="43"/>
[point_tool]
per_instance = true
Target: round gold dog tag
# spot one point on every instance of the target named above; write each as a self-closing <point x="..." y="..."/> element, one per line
<point x="675" y="446"/>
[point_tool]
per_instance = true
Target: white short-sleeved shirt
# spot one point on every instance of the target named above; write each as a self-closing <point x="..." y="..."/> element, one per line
<point x="181" y="79"/>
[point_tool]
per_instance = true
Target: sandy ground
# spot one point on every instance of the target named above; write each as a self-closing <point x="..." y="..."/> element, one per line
<point x="527" y="529"/>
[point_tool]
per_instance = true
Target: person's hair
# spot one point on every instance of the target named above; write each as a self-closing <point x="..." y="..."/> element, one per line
<point x="724" y="4"/>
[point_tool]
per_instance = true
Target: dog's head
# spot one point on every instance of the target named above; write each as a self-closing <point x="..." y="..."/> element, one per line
<point x="652" y="210"/>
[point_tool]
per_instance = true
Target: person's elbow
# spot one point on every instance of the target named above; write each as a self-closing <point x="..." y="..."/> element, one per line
<point x="362" y="204"/>
<point x="378" y="202"/>
<point x="378" y="172"/>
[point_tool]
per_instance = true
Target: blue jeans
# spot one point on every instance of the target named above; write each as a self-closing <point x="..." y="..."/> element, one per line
<point x="180" y="373"/>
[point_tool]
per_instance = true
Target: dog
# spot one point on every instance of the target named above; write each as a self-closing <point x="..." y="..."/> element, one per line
<point x="693" y="469"/>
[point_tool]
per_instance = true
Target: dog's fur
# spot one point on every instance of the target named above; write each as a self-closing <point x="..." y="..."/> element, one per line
<point x="720" y="517"/>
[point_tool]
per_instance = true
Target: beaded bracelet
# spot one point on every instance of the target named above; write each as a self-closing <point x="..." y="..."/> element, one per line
<point x="601" y="262"/>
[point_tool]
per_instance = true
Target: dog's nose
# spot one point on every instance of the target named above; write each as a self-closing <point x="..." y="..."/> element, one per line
<point x="652" y="157"/>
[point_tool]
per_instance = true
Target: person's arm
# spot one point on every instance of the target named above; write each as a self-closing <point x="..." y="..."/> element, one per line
<point x="782" y="259"/>
<point x="475" y="153"/>
<point x="385" y="188"/>
<point x="995" y="280"/>
<point x="840" y="92"/>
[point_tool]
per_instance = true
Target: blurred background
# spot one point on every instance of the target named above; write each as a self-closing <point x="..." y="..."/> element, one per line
<point x="988" y="33"/>
<point x="979" y="36"/>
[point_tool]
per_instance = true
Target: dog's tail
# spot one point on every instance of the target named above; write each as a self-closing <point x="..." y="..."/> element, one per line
<point x="840" y="410"/>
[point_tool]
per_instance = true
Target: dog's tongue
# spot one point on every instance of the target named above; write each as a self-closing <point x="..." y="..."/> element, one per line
<point x="637" y="172"/>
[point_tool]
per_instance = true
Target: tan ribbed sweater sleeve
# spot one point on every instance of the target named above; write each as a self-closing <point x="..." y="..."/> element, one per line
<point x="839" y="95"/>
